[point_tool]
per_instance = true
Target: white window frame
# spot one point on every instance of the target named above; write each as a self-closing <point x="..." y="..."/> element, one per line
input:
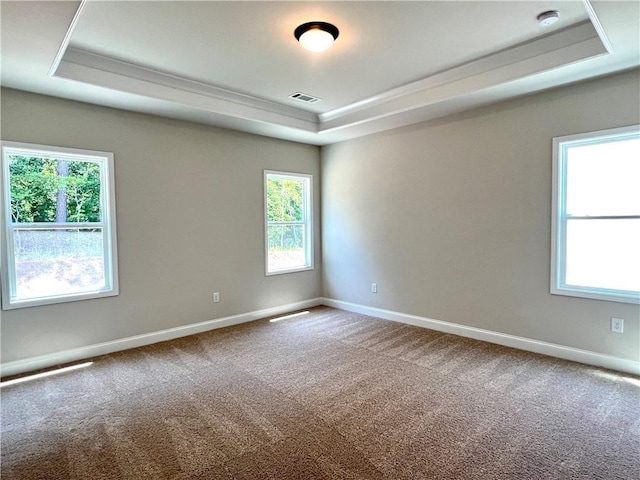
<point x="107" y="223"/>
<point x="307" y="221"/>
<point x="560" y="216"/>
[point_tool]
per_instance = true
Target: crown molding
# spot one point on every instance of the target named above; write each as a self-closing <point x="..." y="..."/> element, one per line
<point x="593" y="17"/>
<point x="465" y="86"/>
<point x="67" y="38"/>
<point x="564" y="47"/>
<point x="104" y="71"/>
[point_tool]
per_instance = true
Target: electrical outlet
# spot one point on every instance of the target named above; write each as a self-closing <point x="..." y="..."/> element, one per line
<point x="617" y="325"/>
<point x="216" y="297"/>
<point x="374" y="288"/>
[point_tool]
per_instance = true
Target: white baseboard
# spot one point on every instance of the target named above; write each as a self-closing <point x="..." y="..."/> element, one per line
<point x="522" y="343"/>
<point x="81" y="353"/>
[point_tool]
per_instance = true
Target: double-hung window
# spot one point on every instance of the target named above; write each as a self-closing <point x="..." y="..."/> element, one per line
<point x="58" y="216"/>
<point x="596" y="215"/>
<point x="288" y="225"/>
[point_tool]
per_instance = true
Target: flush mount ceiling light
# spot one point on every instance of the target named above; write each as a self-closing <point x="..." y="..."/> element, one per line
<point x="316" y="36"/>
<point x="548" y="18"/>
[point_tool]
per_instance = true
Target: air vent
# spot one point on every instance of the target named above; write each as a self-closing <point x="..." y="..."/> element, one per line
<point x="303" y="97"/>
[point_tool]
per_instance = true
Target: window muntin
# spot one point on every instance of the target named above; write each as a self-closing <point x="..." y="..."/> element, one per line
<point x="288" y="225"/>
<point x="596" y="215"/>
<point x="58" y="214"/>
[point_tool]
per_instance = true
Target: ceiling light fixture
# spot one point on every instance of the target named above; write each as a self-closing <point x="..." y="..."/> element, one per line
<point x="316" y="36"/>
<point x="548" y="18"/>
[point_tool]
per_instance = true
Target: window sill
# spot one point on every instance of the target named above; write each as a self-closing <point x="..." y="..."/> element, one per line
<point x="594" y="294"/>
<point x="39" y="302"/>
<point x="289" y="270"/>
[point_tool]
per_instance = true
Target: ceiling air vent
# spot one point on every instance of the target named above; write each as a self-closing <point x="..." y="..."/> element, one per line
<point x="303" y="97"/>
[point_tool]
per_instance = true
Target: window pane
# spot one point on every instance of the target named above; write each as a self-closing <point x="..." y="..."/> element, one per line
<point x="288" y="222"/>
<point x="285" y="200"/>
<point x="603" y="178"/>
<point x="286" y="247"/>
<point x="604" y="254"/>
<point x="58" y="262"/>
<point x="45" y="189"/>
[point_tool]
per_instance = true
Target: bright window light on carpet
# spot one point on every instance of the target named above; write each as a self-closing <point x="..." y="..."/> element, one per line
<point x="286" y="317"/>
<point x="45" y="374"/>
<point x="617" y="377"/>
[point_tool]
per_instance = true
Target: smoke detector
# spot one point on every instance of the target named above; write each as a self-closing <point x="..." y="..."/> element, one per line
<point x="548" y="18"/>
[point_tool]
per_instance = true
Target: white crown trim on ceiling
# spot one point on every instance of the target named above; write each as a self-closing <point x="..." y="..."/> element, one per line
<point x="461" y="87"/>
<point x="575" y="43"/>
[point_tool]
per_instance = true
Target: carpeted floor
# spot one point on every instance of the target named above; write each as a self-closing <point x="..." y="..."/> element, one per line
<point x="328" y="395"/>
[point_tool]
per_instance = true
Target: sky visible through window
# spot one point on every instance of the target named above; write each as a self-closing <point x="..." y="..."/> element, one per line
<point x="603" y="180"/>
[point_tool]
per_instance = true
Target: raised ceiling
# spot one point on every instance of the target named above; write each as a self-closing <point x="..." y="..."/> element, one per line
<point x="234" y="64"/>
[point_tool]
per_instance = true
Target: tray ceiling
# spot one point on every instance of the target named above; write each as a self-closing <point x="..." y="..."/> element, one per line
<point x="235" y="64"/>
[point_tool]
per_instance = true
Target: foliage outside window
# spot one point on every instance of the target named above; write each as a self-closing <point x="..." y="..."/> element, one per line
<point x="596" y="215"/>
<point x="288" y="227"/>
<point x="59" y="225"/>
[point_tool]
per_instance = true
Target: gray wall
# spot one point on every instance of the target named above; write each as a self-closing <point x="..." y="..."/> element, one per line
<point x="452" y="218"/>
<point x="190" y="222"/>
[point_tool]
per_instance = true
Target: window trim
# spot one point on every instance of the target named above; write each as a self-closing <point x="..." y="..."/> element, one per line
<point x="559" y="216"/>
<point x="108" y="224"/>
<point x="308" y="225"/>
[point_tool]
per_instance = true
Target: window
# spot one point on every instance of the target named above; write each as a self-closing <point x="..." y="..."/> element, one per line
<point x="596" y="215"/>
<point x="59" y="238"/>
<point x="288" y="230"/>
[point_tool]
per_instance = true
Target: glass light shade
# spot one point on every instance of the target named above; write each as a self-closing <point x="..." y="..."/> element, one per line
<point x="316" y="40"/>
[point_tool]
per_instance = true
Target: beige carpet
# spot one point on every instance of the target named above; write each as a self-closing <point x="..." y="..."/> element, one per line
<point x="329" y="395"/>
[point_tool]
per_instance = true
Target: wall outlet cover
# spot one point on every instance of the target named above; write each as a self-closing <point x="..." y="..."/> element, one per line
<point x="617" y="325"/>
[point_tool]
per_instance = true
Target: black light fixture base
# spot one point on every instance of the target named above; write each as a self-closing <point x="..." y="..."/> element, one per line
<point x="327" y="27"/>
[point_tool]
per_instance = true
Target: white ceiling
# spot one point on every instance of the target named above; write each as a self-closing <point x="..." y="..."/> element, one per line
<point x="234" y="64"/>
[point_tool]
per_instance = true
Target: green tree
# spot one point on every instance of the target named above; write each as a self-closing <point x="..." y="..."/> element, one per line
<point x="33" y="189"/>
<point x="83" y="192"/>
<point x="285" y="203"/>
<point x="50" y="190"/>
